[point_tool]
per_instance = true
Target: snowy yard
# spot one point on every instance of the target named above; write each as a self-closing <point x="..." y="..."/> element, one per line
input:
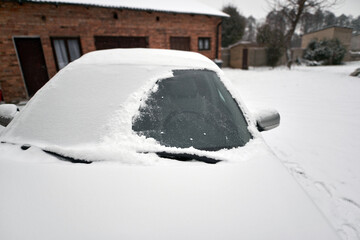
<point x="318" y="141"/>
<point x="319" y="136"/>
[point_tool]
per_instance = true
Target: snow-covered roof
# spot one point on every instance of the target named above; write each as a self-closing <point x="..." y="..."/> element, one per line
<point x="183" y="6"/>
<point x="241" y="42"/>
<point x="328" y="27"/>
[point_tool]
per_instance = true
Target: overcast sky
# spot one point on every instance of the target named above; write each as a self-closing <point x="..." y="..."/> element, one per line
<point x="259" y="8"/>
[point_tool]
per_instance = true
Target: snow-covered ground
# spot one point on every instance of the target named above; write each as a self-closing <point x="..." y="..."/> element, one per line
<point x="319" y="136"/>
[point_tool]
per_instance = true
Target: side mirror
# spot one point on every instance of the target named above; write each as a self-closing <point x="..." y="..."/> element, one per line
<point x="7" y="113"/>
<point x="267" y="119"/>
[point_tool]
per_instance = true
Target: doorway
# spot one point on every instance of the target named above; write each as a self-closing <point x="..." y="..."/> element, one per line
<point x="245" y="59"/>
<point x="32" y="63"/>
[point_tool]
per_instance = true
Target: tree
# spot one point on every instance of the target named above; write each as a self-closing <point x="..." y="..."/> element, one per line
<point x="250" y="29"/>
<point x="343" y="21"/>
<point x="232" y="27"/>
<point x="356" y="25"/>
<point x="318" y="19"/>
<point x="306" y="22"/>
<point x="273" y="39"/>
<point x="330" y="19"/>
<point x="276" y="20"/>
<point x="292" y="11"/>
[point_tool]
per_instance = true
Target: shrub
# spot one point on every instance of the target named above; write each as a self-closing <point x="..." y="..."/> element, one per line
<point x="327" y="52"/>
<point x="273" y="55"/>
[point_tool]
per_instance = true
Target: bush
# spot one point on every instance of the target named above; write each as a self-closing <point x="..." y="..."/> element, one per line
<point x="327" y="52"/>
<point x="273" y="55"/>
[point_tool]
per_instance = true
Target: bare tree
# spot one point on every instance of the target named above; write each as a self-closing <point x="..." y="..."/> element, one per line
<point x="292" y="11"/>
<point x="250" y="29"/>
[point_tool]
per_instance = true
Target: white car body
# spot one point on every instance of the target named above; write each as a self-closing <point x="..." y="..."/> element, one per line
<point x="125" y="194"/>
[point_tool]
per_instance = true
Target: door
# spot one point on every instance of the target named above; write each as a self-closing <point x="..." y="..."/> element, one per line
<point x="107" y="42"/>
<point x="245" y="59"/>
<point x="32" y="63"/>
<point x="180" y="43"/>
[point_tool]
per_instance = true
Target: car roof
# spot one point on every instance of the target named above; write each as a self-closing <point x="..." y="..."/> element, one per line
<point x="147" y="56"/>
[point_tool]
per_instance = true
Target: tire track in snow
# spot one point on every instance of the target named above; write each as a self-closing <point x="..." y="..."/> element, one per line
<point x="348" y="231"/>
<point x="351" y="202"/>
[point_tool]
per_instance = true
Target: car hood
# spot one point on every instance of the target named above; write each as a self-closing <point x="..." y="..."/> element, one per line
<point x="252" y="199"/>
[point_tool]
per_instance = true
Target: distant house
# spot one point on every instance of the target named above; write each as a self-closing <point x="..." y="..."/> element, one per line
<point x="244" y="54"/>
<point x="344" y="35"/>
<point x="355" y="43"/>
<point x="40" y="37"/>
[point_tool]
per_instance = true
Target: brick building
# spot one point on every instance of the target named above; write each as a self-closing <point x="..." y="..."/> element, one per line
<point x="355" y="42"/>
<point x="39" y="37"/>
<point x="344" y="35"/>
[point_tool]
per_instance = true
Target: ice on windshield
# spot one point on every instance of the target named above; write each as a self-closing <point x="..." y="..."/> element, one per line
<point x="192" y="109"/>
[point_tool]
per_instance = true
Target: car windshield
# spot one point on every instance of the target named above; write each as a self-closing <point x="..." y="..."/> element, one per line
<point x="192" y="109"/>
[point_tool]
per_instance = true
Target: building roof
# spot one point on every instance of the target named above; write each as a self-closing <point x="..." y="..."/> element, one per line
<point x="244" y="43"/>
<point x="183" y="6"/>
<point x="322" y="29"/>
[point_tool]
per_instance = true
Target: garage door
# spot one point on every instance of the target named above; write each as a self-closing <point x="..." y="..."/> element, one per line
<point x="180" y="43"/>
<point x="107" y="42"/>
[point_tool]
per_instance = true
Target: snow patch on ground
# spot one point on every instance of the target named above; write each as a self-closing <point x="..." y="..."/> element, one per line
<point x="318" y="139"/>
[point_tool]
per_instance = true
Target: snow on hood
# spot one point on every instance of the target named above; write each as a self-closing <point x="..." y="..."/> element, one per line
<point x="251" y="200"/>
<point x="86" y="110"/>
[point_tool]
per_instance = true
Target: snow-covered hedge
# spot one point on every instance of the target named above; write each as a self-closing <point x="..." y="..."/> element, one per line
<point x="327" y="52"/>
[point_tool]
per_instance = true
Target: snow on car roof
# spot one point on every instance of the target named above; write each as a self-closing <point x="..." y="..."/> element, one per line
<point x="141" y="56"/>
<point x="85" y="111"/>
<point x="184" y="6"/>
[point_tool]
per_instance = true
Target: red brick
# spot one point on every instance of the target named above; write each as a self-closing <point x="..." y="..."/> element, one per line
<point x="26" y="19"/>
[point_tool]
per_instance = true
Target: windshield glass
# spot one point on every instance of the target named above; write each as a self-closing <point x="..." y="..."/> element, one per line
<point x="192" y="109"/>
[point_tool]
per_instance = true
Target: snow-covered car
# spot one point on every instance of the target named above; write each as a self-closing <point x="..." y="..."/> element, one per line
<point x="132" y="113"/>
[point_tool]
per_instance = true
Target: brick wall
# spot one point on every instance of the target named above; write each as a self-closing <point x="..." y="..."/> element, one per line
<point x="50" y="20"/>
<point x="355" y="43"/>
<point x="343" y="34"/>
<point x="327" y="33"/>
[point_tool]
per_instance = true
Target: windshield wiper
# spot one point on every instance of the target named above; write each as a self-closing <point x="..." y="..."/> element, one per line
<point x="68" y="159"/>
<point x="187" y="157"/>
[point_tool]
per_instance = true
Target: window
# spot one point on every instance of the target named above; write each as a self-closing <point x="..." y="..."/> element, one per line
<point x="180" y="43"/>
<point x="204" y="43"/>
<point x="108" y="42"/>
<point x="65" y="50"/>
<point x="192" y="109"/>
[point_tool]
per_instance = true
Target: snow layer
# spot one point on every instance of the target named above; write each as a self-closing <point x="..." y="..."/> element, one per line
<point x="107" y="200"/>
<point x="318" y="139"/>
<point x="8" y="110"/>
<point x="86" y="110"/>
<point x="112" y="200"/>
<point x="184" y="6"/>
